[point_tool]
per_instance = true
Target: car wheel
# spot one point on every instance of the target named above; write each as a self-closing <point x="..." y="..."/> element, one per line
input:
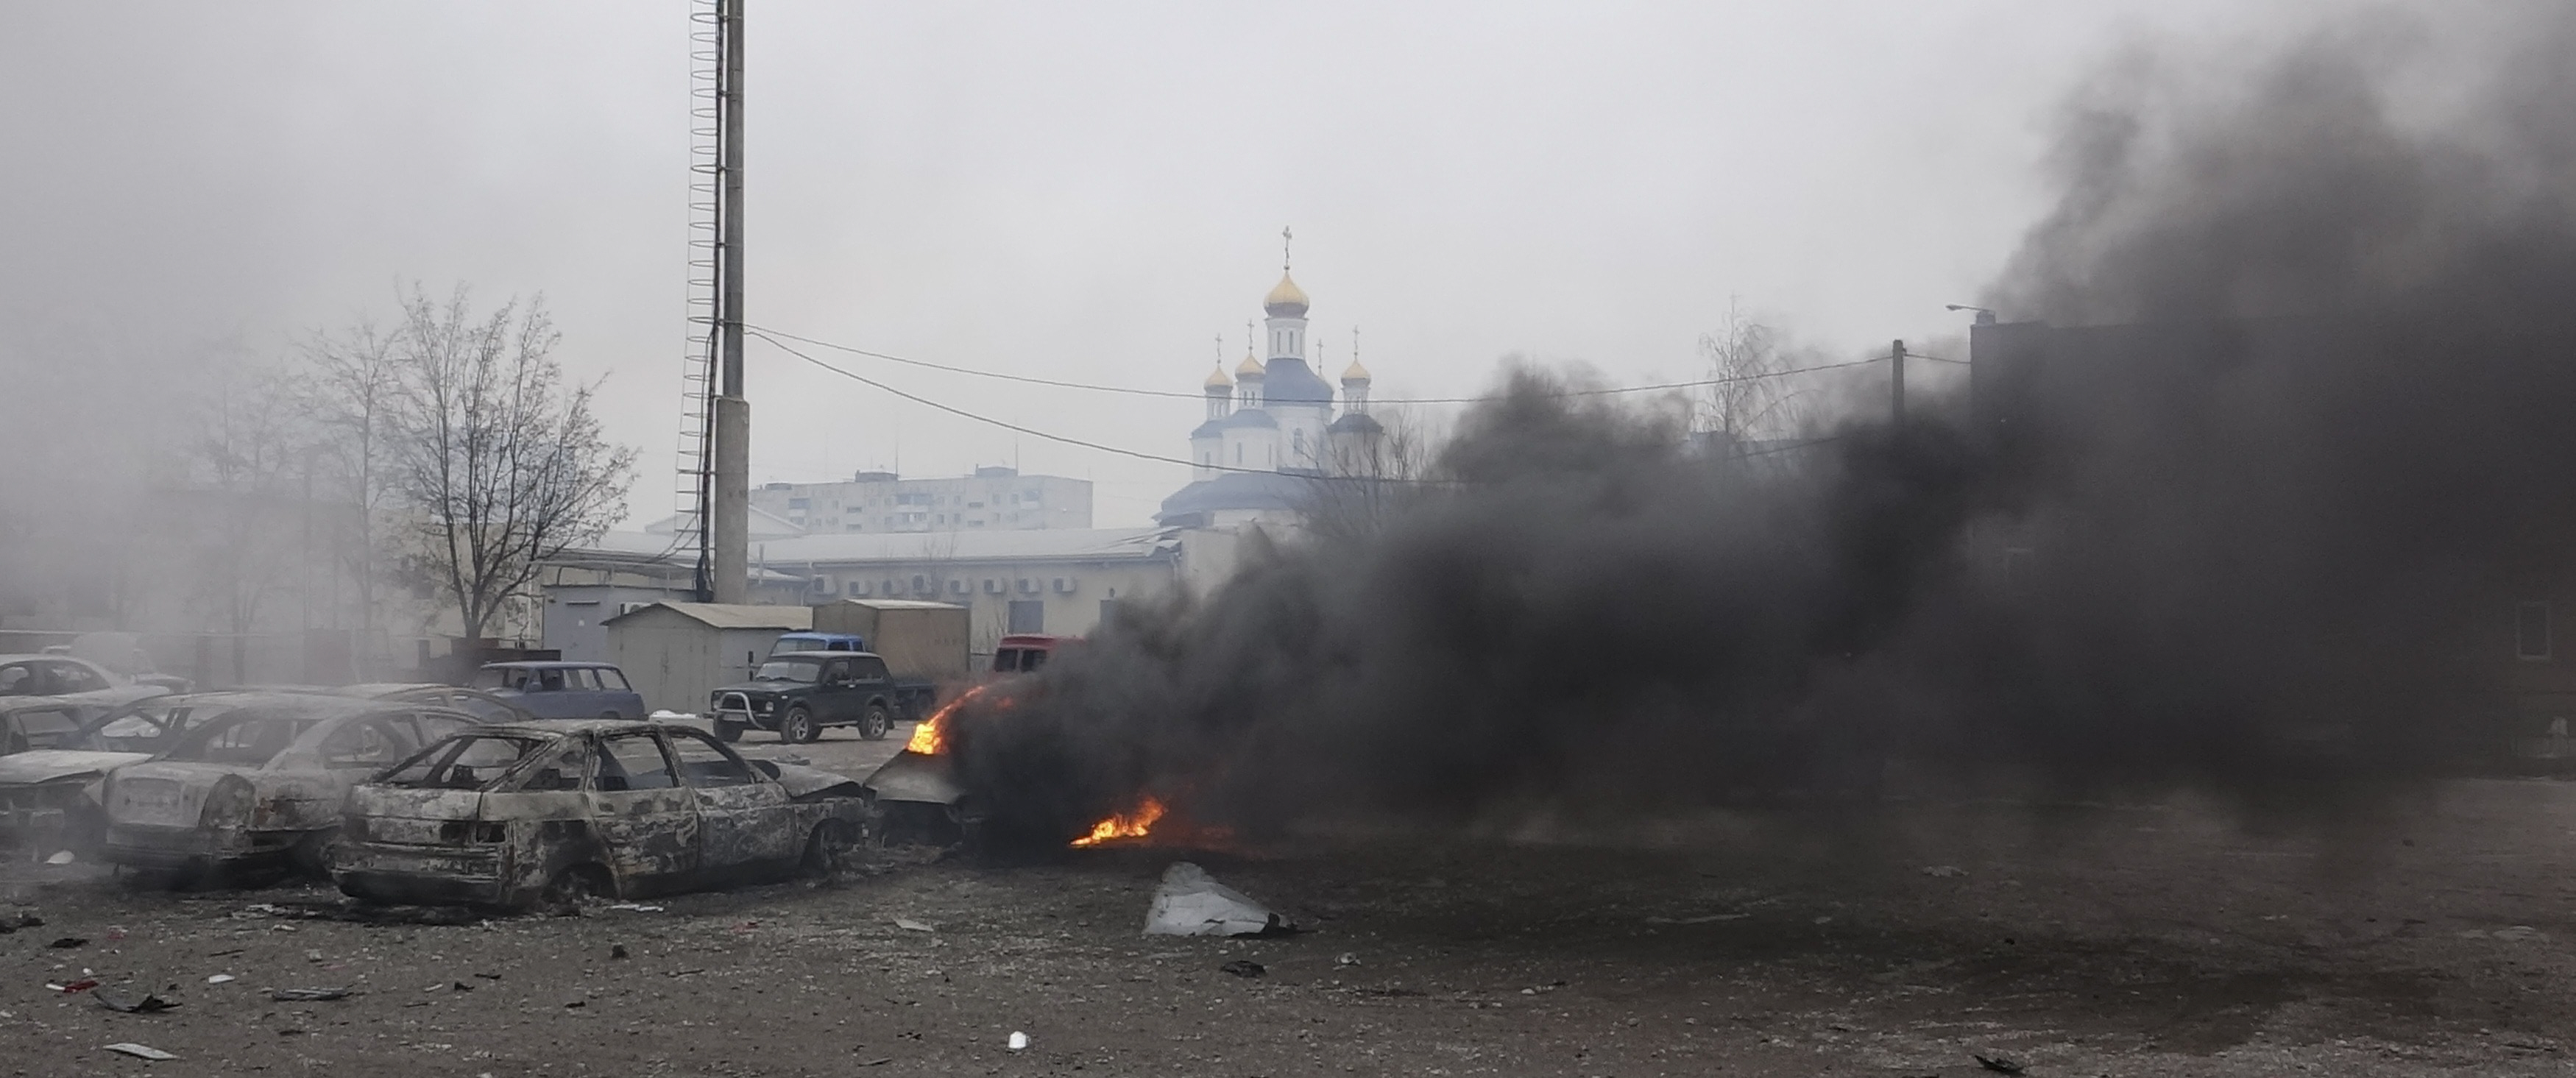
<point x="312" y="854"/>
<point x="573" y="886"/>
<point x="728" y="732"/>
<point x="797" y="725"/>
<point x="827" y="850"/>
<point x="875" y="723"/>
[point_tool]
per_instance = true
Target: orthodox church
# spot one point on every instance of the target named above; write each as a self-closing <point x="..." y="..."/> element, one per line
<point x="1271" y="431"/>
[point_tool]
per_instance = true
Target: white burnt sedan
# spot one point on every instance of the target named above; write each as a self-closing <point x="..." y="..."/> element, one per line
<point x="261" y="787"/>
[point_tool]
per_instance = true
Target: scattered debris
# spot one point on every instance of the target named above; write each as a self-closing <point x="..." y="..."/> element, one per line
<point x="2518" y="934"/>
<point x="23" y="920"/>
<point x="82" y="985"/>
<point x="1705" y="918"/>
<point x="149" y="1004"/>
<point x="1019" y="1041"/>
<point x="139" y="1051"/>
<point x="1347" y="958"/>
<point x="1945" y="872"/>
<point x="68" y="942"/>
<point x="878" y="1062"/>
<point x="1243" y="968"/>
<point x="1189" y="903"/>
<point x="1998" y="1064"/>
<point x="909" y="925"/>
<point x="221" y="978"/>
<point x="638" y="908"/>
<point x="309" y="995"/>
<point x="616" y="950"/>
<point x="60" y="857"/>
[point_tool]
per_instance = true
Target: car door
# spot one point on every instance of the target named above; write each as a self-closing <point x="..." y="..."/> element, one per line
<point x="645" y="819"/>
<point x="618" y="694"/>
<point x="836" y="699"/>
<point x="743" y="818"/>
<point x="23" y="678"/>
<point x="66" y="677"/>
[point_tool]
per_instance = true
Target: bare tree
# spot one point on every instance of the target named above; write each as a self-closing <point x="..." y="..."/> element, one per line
<point x="1754" y="397"/>
<point x="499" y="464"/>
<point x="248" y="458"/>
<point x="350" y="395"/>
<point x="1369" y="475"/>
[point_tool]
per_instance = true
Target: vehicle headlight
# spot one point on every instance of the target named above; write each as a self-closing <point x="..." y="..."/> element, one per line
<point x="228" y="804"/>
<point x="763" y="706"/>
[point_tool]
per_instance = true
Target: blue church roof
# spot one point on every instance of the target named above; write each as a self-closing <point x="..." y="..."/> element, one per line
<point x="1289" y="382"/>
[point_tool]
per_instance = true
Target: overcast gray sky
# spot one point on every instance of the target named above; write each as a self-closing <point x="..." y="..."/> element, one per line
<point x="1081" y="191"/>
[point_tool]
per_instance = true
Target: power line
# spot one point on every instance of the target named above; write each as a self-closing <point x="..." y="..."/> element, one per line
<point x="1134" y="391"/>
<point x="1157" y="457"/>
<point x="1030" y="431"/>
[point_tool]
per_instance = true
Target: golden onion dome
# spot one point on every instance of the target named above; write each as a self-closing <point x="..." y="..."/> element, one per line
<point x="1355" y="372"/>
<point x="1216" y="379"/>
<point x="1285" y="299"/>
<point x="1250" y="368"/>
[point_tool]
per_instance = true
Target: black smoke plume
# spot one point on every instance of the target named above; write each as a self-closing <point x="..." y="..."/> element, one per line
<point x="2254" y="485"/>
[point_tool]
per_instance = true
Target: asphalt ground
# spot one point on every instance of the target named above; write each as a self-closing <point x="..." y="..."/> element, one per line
<point x="2154" y="938"/>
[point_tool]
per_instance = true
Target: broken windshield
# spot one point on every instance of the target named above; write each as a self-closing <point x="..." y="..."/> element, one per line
<point x="464" y="763"/>
<point x="804" y="670"/>
<point x="241" y="740"/>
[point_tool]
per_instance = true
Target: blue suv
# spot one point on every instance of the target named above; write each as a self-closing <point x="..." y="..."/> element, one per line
<point x="563" y="690"/>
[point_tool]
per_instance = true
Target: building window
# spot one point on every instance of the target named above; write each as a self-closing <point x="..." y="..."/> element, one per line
<point x="1028" y="615"/>
<point x="1298" y="449"/>
<point x="1238" y="452"/>
<point x="2531" y="630"/>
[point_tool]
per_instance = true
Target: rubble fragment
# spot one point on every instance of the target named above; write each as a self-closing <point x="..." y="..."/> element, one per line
<point x="139" y="1051"/>
<point x="1998" y="1064"/>
<point x="1244" y="968"/>
<point x="114" y="1001"/>
<point x="1190" y="903"/>
<point x="309" y="995"/>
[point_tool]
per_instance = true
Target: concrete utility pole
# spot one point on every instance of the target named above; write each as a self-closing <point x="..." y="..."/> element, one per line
<point x="1896" y="380"/>
<point x="729" y="472"/>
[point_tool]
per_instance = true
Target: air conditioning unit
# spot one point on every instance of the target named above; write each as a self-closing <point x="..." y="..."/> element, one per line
<point x="821" y="584"/>
<point x="922" y="585"/>
<point x="857" y="587"/>
<point x="1028" y="585"/>
<point x="959" y="587"/>
<point x="894" y="587"/>
<point x="993" y="585"/>
<point x="629" y="608"/>
<point x="1064" y="585"/>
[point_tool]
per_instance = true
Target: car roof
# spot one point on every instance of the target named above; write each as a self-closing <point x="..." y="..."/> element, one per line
<point x="39" y="655"/>
<point x="824" y="655"/>
<point x="562" y="727"/>
<point x="544" y="664"/>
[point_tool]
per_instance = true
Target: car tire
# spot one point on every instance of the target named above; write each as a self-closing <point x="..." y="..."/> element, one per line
<point x="312" y="853"/>
<point x="728" y="732"/>
<point x="875" y="722"/>
<point x="572" y="886"/>
<point x="796" y="724"/>
<point x="827" y="850"/>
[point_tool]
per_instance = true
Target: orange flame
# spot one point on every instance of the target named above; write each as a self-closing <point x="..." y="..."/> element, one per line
<point x="929" y="737"/>
<point x="1131" y="825"/>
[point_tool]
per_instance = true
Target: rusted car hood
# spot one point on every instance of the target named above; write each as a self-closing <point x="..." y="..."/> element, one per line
<point x="912" y="776"/>
<point x="55" y="765"/>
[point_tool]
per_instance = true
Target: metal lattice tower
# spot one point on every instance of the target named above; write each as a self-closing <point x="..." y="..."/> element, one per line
<point x="705" y="251"/>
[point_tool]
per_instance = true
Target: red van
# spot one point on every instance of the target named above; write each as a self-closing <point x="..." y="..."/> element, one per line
<point x="1023" y="653"/>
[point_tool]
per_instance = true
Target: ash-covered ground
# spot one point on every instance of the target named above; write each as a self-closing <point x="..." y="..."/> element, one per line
<point x="1905" y="939"/>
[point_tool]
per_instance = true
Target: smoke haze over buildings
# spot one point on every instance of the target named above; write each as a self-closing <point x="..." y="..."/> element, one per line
<point x="2272" y="516"/>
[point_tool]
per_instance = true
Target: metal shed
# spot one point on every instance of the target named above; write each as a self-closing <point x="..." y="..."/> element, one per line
<point x="676" y="653"/>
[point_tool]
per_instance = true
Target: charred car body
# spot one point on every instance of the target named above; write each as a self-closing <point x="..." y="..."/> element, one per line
<point x="261" y="786"/>
<point x="50" y="795"/>
<point x="541" y="814"/>
<point x="798" y="693"/>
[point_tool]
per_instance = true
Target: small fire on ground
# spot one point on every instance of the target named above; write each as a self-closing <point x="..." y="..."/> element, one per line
<point x="1136" y="824"/>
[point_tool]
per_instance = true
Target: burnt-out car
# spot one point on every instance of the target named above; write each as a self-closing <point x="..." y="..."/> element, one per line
<point x="260" y="786"/>
<point x="49" y="795"/>
<point x="544" y="814"/>
<point x="475" y="702"/>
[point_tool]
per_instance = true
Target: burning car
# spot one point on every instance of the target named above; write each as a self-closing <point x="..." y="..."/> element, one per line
<point x="49" y="795"/>
<point x="543" y="814"/>
<point x="260" y="786"/>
